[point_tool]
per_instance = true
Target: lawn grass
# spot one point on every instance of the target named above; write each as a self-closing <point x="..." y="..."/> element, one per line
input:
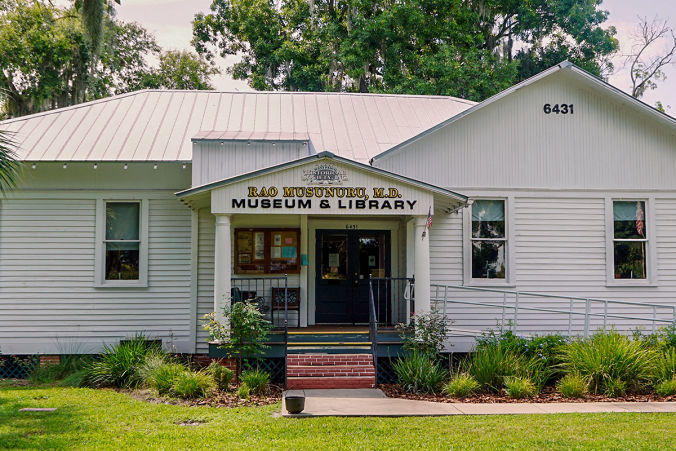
<point x="105" y="419"/>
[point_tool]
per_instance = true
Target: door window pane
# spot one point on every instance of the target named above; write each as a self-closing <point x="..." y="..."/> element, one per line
<point x="488" y="259"/>
<point x="488" y="219"/>
<point x="334" y="257"/>
<point x="371" y="256"/>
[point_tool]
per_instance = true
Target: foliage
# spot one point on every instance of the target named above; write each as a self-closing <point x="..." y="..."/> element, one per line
<point x="257" y="380"/>
<point x="426" y="333"/>
<point x="192" y="384"/>
<point x="519" y="387"/>
<point x="10" y="168"/>
<point x="69" y="367"/>
<point x="222" y="375"/>
<point x="573" y="385"/>
<point x="460" y="48"/>
<point x="666" y="387"/>
<point x="614" y="387"/>
<point x="160" y="374"/>
<point x="609" y="360"/>
<point x="491" y="364"/>
<point x="544" y="347"/>
<point x="243" y="391"/>
<point x="243" y="333"/>
<point x="179" y="70"/>
<point x="419" y="372"/>
<point x="461" y="385"/>
<point x="119" y="365"/>
<point x="665" y="365"/>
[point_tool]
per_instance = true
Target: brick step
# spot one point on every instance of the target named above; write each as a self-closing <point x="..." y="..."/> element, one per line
<point x="330" y="371"/>
<point x="329" y="359"/>
<point x="294" y="383"/>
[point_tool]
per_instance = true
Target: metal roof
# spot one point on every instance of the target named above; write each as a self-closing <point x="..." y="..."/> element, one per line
<point x="158" y="125"/>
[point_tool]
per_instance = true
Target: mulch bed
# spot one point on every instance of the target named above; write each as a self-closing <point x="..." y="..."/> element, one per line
<point x="218" y="399"/>
<point x="548" y="395"/>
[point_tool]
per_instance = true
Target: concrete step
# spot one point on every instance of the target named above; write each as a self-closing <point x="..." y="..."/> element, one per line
<point x="296" y="383"/>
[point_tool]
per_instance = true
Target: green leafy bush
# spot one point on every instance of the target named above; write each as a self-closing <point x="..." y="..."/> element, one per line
<point x="666" y="388"/>
<point x="222" y="375"/>
<point x="160" y="374"/>
<point x="614" y="387"/>
<point x="426" y="333"/>
<point x="491" y="364"/>
<point x="191" y="385"/>
<point x="119" y="366"/>
<point x="243" y="391"/>
<point x="419" y="372"/>
<point x="257" y="380"/>
<point x="461" y="385"/>
<point x="76" y="379"/>
<point x="519" y="387"/>
<point x="610" y="361"/>
<point x="573" y="385"/>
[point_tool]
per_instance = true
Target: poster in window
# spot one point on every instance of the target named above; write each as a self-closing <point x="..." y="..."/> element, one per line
<point x="244" y="242"/>
<point x="334" y="260"/>
<point x="276" y="252"/>
<point x="259" y="246"/>
<point x="244" y="258"/>
<point x="277" y="239"/>
<point x="289" y="252"/>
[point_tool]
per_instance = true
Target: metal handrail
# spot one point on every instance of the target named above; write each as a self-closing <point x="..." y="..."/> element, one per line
<point x="373" y="325"/>
<point x="391" y="293"/>
<point x="587" y="313"/>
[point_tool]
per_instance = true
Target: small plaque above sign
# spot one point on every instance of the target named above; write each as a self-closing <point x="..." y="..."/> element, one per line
<point x="324" y="174"/>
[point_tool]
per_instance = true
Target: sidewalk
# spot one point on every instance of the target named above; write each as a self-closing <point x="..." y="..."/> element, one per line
<point x="373" y="402"/>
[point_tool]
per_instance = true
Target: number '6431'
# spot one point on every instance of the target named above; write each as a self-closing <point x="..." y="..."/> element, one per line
<point x="563" y="108"/>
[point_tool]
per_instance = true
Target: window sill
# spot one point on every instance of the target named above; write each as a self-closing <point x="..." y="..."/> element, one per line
<point x="121" y="284"/>
<point x="630" y="284"/>
<point x="489" y="284"/>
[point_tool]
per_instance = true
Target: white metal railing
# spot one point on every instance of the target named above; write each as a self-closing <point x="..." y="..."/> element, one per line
<point x="512" y="307"/>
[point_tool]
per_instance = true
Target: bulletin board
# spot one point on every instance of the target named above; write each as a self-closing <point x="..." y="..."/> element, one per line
<point x="267" y="251"/>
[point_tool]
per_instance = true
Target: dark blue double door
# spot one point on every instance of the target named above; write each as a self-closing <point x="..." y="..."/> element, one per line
<point x="345" y="260"/>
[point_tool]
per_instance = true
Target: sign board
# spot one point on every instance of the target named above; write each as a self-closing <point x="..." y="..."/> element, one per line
<point x="321" y="188"/>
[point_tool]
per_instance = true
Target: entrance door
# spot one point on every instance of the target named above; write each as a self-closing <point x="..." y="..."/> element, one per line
<point x="345" y="260"/>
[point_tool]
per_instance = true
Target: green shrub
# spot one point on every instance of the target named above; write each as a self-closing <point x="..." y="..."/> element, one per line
<point x="614" y="387"/>
<point x="608" y="356"/>
<point x="68" y="366"/>
<point x="243" y="391"/>
<point x="160" y="374"/>
<point x="190" y="385"/>
<point x="491" y="364"/>
<point x="76" y="379"/>
<point x="519" y="387"/>
<point x="418" y="372"/>
<point x="257" y="380"/>
<point x="119" y="366"/>
<point x="666" y="388"/>
<point x="573" y="385"/>
<point x="222" y="375"/>
<point x="665" y="365"/>
<point x="461" y="385"/>
<point x="426" y="333"/>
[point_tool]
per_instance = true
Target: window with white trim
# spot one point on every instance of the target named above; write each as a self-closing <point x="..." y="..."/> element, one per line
<point x="122" y="243"/>
<point x="630" y="240"/>
<point x="488" y="239"/>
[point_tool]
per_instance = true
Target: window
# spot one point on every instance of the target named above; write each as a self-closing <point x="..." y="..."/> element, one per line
<point x="630" y="240"/>
<point x="488" y="239"/>
<point x="267" y="251"/>
<point x="121" y="243"/>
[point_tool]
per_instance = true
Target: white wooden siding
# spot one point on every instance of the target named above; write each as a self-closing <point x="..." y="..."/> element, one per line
<point x="48" y="302"/>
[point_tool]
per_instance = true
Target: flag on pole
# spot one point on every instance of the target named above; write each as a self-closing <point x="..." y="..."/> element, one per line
<point x="640" y="219"/>
<point x="428" y="223"/>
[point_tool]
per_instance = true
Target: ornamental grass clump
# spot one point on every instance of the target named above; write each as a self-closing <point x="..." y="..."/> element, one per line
<point x="222" y="375"/>
<point x="492" y="363"/>
<point x="419" y="372"/>
<point x="665" y="365"/>
<point x="519" y="387"/>
<point x="573" y="386"/>
<point x="666" y="388"/>
<point x="461" y="385"/>
<point x="612" y="362"/>
<point x="191" y="385"/>
<point x="257" y="380"/>
<point x="160" y="374"/>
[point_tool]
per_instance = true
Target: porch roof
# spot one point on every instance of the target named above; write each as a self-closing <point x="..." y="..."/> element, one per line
<point x="444" y="199"/>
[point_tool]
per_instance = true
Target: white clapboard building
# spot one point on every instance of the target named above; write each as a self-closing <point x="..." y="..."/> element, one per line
<point x="552" y="208"/>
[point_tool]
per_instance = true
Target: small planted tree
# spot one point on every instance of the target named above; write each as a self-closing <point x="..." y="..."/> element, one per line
<point x="243" y="332"/>
<point x="426" y="333"/>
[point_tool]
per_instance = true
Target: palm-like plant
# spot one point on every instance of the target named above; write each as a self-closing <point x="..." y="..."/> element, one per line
<point x="9" y="165"/>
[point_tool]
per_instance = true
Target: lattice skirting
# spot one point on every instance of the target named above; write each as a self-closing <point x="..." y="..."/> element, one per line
<point x="275" y="366"/>
<point x="17" y="367"/>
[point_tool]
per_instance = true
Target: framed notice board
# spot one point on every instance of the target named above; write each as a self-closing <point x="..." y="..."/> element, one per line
<point x="267" y="251"/>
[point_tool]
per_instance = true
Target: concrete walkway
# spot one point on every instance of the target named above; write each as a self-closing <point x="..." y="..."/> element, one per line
<point x="373" y="402"/>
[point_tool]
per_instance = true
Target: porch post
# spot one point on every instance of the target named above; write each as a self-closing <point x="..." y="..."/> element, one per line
<point x="222" y="264"/>
<point x="422" y="265"/>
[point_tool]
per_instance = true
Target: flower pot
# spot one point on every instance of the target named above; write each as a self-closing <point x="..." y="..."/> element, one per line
<point x="295" y="403"/>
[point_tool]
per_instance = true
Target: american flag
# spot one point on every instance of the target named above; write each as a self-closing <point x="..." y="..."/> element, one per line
<point x="640" y="219"/>
<point x="428" y="224"/>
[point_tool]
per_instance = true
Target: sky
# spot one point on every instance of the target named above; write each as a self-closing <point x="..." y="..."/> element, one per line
<point x="171" y="23"/>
